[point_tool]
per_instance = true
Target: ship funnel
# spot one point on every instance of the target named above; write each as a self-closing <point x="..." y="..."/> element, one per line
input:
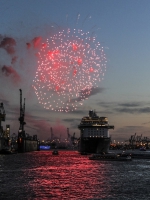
<point x="90" y="113"/>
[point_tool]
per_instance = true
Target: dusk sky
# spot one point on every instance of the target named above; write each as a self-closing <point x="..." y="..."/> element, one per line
<point x="122" y="29"/>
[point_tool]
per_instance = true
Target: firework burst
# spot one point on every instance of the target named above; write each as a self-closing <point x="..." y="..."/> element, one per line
<point x="70" y="65"/>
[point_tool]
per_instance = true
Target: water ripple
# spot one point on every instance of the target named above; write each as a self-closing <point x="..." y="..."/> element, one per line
<point x="70" y="176"/>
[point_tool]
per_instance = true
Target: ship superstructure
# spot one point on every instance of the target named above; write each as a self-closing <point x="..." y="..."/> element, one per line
<point x="94" y="133"/>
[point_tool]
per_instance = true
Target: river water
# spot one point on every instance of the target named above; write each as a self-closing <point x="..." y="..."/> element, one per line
<point x="71" y="176"/>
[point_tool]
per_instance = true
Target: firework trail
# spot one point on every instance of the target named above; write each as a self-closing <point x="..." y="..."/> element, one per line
<point x="70" y="64"/>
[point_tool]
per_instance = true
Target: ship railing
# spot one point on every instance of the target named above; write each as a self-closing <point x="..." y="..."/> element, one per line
<point x="99" y="136"/>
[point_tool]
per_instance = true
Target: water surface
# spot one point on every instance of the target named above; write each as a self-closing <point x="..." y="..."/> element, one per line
<point x="71" y="176"/>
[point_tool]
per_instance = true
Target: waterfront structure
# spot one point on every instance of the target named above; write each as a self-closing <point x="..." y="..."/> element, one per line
<point x="94" y="134"/>
<point x="4" y="134"/>
<point x="25" y="142"/>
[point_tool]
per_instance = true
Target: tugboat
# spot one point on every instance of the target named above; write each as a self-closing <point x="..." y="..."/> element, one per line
<point x="142" y="149"/>
<point x="94" y="134"/>
<point x="55" y="152"/>
<point x="111" y="157"/>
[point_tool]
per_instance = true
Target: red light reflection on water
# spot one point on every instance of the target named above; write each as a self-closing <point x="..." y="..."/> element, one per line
<point x="68" y="176"/>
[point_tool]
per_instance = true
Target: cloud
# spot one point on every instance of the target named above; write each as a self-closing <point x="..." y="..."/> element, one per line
<point x="41" y="127"/>
<point x="146" y="123"/>
<point x="130" y="104"/>
<point x="125" y="110"/>
<point x="28" y="45"/>
<point x="86" y="93"/>
<point x="8" y="44"/>
<point x="9" y="71"/>
<point x="14" y="59"/>
<point x="144" y="110"/>
<point x="73" y="122"/>
<point x="5" y="102"/>
<point x="124" y="133"/>
<point x="97" y="90"/>
<point x="131" y="110"/>
<point x="36" y="43"/>
<point x="126" y="107"/>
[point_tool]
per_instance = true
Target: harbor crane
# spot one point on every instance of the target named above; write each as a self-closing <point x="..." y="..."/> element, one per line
<point x="73" y="138"/>
<point x="21" y="118"/>
<point x="52" y="135"/>
<point x="136" y="140"/>
<point x="139" y="139"/>
<point x="132" y="139"/>
<point x="2" y="117"/>
<point x="68" y="135"/>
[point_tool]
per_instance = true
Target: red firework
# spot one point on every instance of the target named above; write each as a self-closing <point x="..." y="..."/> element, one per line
<point x="70" y="65"/>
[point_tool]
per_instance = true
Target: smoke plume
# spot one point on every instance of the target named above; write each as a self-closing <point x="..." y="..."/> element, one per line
<point x="9" y="71"/>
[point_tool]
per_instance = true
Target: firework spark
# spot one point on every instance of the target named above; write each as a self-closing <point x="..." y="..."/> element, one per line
<point x="70" y="64"/>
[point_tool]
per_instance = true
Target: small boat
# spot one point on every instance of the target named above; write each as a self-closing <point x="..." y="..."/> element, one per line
<point x="55" y="152"/>
<point x="7" y="151"/>
<point x="142" y="149"/>
<point x="84" y="153"/>
<point x="111" y="157"/>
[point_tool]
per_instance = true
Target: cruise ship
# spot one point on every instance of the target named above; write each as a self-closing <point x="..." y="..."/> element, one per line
<point x="94" y="134"/>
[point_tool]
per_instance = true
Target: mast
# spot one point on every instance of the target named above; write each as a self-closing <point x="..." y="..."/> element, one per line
<point x="24" y="108"/>
<point x="51" y="134"/>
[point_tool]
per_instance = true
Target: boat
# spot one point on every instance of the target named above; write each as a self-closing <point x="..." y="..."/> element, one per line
<point x="142" y="149"/>
<point x="6" y="149"/>
<point x="84" y="153"/>
<point x="140" y="155"/>
<point x="94" y="134"/>
<point x="55" y="152"/>
<point x="111" y="157"/>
